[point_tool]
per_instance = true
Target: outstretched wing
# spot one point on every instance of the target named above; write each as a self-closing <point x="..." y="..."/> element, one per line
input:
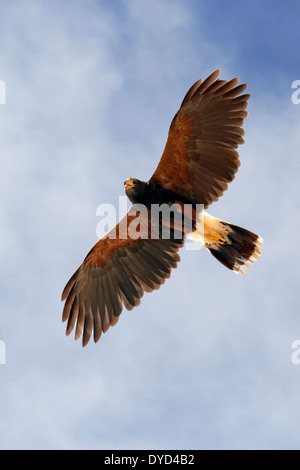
<point x="116" y="273"/>
<point x="200" y="156"/>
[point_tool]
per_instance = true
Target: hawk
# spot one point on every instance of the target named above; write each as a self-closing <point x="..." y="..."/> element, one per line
<point x="199" y="160"/>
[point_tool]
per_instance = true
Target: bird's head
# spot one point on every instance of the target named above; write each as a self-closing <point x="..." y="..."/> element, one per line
<point x="135" y="189"/>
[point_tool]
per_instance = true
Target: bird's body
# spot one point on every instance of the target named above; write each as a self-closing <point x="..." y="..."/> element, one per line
<point x="198" y="162"/>
<point x="141" y="192"/>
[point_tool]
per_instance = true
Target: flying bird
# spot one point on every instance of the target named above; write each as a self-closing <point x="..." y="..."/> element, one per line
<point x="198" y="162"/>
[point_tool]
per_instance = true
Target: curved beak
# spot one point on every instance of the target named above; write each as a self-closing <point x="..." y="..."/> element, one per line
<point x="128" y="183"/>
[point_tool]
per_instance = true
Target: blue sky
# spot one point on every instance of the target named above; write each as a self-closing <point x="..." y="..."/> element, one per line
<point x="205" y="362"/>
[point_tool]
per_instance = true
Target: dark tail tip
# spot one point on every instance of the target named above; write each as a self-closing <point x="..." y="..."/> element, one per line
<point x="240" y="248"/>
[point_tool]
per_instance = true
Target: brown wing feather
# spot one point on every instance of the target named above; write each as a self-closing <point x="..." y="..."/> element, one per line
<point x="116" y="273"/>
<point x="200" y="156"/>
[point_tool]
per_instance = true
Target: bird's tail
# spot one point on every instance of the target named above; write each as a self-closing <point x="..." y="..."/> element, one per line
<point x="233" y="246"/>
